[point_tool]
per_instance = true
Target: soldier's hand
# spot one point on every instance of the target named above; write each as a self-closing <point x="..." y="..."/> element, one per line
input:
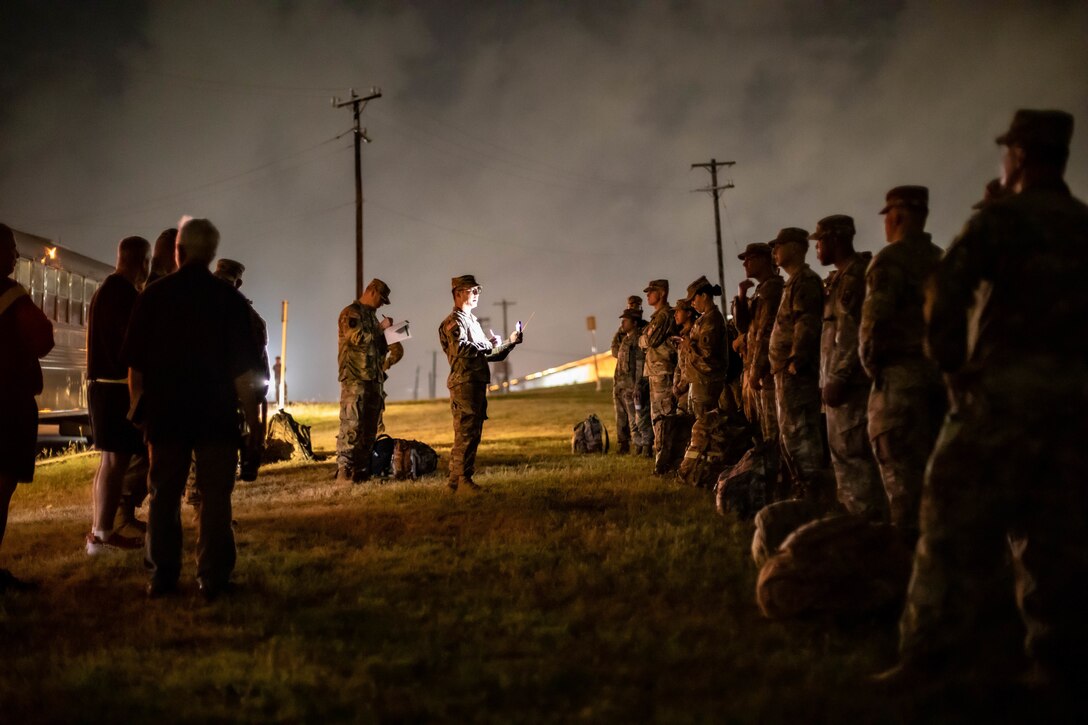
<point x="516" y="338"/>
<point x="756" y="383"/>
<point x="385" y="323"/>
<point x="744" y="286"/>
<point x="834" y="393"/>
<point x="792" y="369"/>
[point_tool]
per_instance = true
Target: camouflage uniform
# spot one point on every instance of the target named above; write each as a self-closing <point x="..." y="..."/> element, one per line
<point x="796" y="339"/>
<point x="396" y="353"/>
<point x="705" y="360"/>
<point x="656" y="344"/>
<point x="361" y="352"/>
<point x="632" y="386"/>
<point x="755" y="320"/>
<point x="859" y="485"/>
<point x="681" y="379"/>
<point x="469" y="352"/>
<point x="623" y="425"/>
<point x="1009" y="464"/>
<point x="907" y="400"/>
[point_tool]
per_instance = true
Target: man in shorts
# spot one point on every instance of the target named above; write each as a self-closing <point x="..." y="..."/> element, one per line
<point x="107" y="392"/>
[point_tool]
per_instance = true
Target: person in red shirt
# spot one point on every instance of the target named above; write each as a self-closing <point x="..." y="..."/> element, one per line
<point x="26" y="335"/>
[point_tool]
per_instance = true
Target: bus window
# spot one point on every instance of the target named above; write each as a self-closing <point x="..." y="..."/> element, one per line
<point x="64" y="286"/>
<point x="49" y="300"/>
<point x="37" y="283"/>
<point x="22" y="272"/>
<point x="89" y="287"/>
<point x="78" y="317"/>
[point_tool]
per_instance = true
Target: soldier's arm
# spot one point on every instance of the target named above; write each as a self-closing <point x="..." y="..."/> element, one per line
<point x="499" y="352"/>
<point x="705" y="346"/>
<point x="396" y="352"/>
<point x="352" y="328"/>
<point x="881" y="300"/>
<point x="35" y="329"/>
<point x="616" y="340"/>
<point x="658" y="331"/>
<point x="949" y="297"/>
<point x="742" y="313"/>
<point x="845" y="364"/>
<point x="808" y="317"/>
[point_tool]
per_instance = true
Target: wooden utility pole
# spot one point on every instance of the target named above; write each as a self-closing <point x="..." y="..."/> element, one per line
<point x="715" y="190"/>
<point x="357" y="104"/>
<point x="432" y="381"/>
<point x="591" y="325"/>
<point x="281" y="393"/>
<point x="505" y="303"/>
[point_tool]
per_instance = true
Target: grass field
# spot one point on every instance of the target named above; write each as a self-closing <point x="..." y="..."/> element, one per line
<point x="574" y="589"/>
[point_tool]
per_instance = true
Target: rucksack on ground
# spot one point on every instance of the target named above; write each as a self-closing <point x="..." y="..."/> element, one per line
<point x="743" y="488"/>
<point x="286" y="439"/>
<point x="675" y="436"/>
<point x="775" y="522"/>
<point x="590" y="436"/>
<point x="381" y="456"/>
<point x="412" y="459"/>
<point x="726" y="444"/>
<point x="839" y="565"/>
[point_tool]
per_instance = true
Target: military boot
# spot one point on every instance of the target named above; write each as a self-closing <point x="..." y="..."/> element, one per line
<point x="343" y="475"/>
<point x="648" y="451"/>
<point x="624" y="449"/>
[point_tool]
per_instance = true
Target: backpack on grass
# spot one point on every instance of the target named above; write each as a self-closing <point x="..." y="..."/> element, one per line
<point x="590" y="436"/>
<point x="286" y="439"/>
<point x="412" y="459"/>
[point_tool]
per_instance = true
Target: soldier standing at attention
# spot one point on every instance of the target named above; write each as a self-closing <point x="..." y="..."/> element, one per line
<point x="705" y="356"/>
<point x="656" y="343"/>
<point x="907" y="400"/>
<point x="631" y="383"/>
<point x="843" y="383"/>
<point x="468" y="351"/>
<point x="1009" y="464"/>
<point x="755" y="320"/>
<point x="361" y="353"/>
<point x="623" y="425"/>
<point x="684" y="317"/>
<point x="794" y="356"/>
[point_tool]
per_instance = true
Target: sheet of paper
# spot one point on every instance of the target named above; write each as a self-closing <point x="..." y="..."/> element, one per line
<point x="397" y="332"/>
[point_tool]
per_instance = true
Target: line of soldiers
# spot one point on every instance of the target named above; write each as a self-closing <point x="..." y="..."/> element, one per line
<point x="953" y="385"/>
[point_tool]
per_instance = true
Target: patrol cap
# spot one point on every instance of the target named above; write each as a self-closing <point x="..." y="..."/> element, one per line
<point x="790" y="234"/>
<point x="755" y="249"/>
<point x="702" y="285"/>
<point x="229" y="268"/>
<point x="635" y="301"/>
<point x="836" y="223"/>
<point x="658" y="284"/>
<point x="465" y="281"/>
<point x="1039" y="129"/>
<point x="906" y="197"/>
<point x="631" y="315"/>
<point x="685" y="305"/>
<point x="382" y="289"/>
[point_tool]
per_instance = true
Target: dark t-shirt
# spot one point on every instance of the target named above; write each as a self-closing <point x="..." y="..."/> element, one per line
<point x="26" y="335"/>
<point x="111" y="308"/>
<point x="190" y="336"/>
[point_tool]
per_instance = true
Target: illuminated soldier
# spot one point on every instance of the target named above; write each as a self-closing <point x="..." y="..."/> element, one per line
<point x="755" y="320"/>
<point x="469" y="351"/>
<point x="705" y="360"/>
<point x="660" y="351"/>
<point x="684" y="316"/>
<point x="907" y="400"/>
<point x="630" y="381"/>
<point x="361" y="354"/>
<point x="623" y="425"/>
<point x="843" y="383"/>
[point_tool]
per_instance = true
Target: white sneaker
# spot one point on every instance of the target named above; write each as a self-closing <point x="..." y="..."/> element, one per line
<point x="114" y="542"/>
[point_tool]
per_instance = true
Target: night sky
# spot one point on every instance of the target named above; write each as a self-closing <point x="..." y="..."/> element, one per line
<point x="544" y="147"/>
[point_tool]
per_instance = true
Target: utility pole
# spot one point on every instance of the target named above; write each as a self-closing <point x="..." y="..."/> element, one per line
<point x="713" y="165"/>
<point x="357" y="104"/>
<point x="432" y="382"/>
<point x="415" y="390"/>
<point x="281" y="392"/>
<point x="505" y="303"/>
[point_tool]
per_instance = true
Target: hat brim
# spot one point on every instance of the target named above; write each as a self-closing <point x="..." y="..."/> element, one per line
<point x="385" y="299"/>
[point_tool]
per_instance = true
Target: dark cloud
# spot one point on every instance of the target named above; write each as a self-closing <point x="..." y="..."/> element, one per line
<point x="544" y="147"/>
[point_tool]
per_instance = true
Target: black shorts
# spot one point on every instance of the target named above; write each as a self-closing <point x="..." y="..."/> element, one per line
<point x="110" y="426"/>
<point x="18" y="437"/>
